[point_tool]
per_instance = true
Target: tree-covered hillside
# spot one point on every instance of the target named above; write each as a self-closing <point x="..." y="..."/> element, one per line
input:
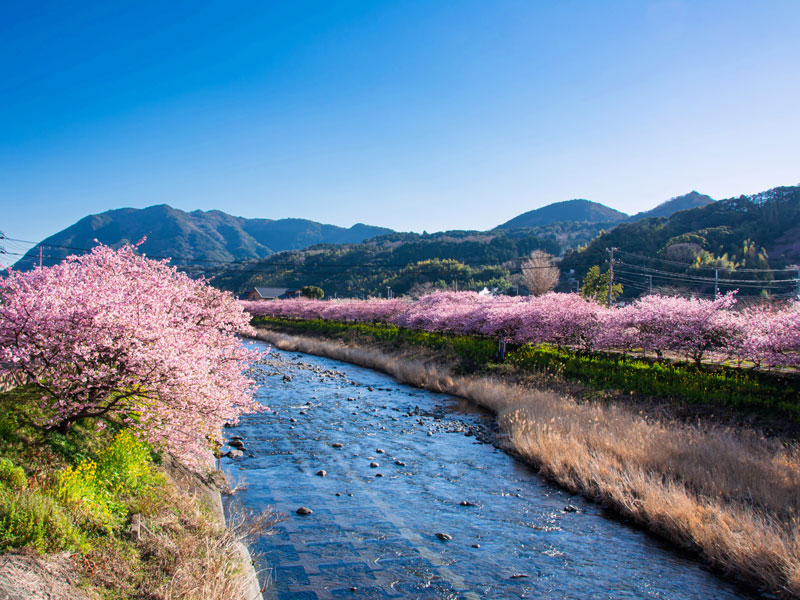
<point x="577" y="211"/>
<point x="686" y="202"/>
<point x="406" y="262"/>
<point x="735" y="240"/>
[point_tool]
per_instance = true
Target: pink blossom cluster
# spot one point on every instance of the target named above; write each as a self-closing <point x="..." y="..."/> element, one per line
<point x="690" y="327"/>
<point x="364" y="311"/>
<point x="116" y="335"/>
<point x="773" y="335"/>
<point x="687" y="327"/>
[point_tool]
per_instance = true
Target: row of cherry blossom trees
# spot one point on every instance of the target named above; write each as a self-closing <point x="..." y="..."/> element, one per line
<point x="115" y="335"/>
<point x="691" y="328"/>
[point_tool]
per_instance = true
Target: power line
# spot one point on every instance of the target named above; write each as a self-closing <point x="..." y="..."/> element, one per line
<point x="700" y="277"/>
<point x="701" y="267"/>
<point x="727" y="283"/>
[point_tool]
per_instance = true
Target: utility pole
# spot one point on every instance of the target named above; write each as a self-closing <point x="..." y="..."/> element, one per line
<point x="716" y="283"/>
<point x="2" y="248"/>
<point x="40" y="256"/>
<point x="650" y="278"/>
<point x="797" y="281"/>
<point x="388" y="293"/>
<point x="610" y="273"/>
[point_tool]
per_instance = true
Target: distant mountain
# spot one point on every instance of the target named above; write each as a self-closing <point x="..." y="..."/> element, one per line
<point x="197" y="237"/>
<point x="691" y="200"/>
<point x="576" y="211"/>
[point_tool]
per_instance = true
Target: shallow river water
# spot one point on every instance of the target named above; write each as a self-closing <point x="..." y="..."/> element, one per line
<point x="372" y="532"/>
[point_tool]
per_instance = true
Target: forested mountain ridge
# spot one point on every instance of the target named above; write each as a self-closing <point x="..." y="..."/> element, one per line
<point x="193" y="237"/>
<point x="405" y="262"/>
<point x="207" y="237"/>
<point x="688" y="201"/>
<point x="576" y="211"/>
<point x="741" y="235"/>
<point x="577" y="222"/>
<point x="734" y="235"/>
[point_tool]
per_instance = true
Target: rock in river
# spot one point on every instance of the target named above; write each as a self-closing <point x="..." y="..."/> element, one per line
<point x="304" y="511"/>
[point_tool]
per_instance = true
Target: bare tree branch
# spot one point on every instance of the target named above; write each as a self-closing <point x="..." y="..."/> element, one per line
<point x="540" y="273"/>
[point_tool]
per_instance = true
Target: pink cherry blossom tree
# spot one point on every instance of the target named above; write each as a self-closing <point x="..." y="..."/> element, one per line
<point x="692" y="328"/>
<point x="115" y="335"/>
<point x="772" y="335"/>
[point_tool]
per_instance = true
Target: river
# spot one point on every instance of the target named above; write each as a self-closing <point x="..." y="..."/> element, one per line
<point x="373" y="529"/>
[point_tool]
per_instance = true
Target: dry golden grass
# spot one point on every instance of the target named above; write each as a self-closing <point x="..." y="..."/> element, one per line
<point x="729" y="494"/>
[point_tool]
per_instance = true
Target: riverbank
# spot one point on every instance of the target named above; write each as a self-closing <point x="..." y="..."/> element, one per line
<point x="724" y="395"/>
<point x="727" y="494"/>
<point x="122" y="522"/>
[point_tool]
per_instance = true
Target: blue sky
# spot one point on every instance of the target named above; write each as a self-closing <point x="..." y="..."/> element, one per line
<point x="412" y="115"/>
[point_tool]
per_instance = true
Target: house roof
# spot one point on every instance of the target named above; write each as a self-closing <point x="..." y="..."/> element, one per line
<point x="270" y="292"/>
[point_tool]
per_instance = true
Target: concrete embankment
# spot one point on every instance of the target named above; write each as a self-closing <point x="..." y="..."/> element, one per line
<point x="209" y="488"/>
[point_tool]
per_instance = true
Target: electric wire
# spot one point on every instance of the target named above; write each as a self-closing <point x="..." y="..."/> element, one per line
<point x="704" y="267"/>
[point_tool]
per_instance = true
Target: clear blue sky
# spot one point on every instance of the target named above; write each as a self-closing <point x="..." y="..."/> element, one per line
<point x="412" y="115"/>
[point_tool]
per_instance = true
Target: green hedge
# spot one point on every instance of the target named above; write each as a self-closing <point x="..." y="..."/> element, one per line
<point x="724" y="386"/>
<point x="477" y="350"/>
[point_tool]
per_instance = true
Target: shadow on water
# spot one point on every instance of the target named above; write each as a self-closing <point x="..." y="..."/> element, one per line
<point x="403" y="465"/>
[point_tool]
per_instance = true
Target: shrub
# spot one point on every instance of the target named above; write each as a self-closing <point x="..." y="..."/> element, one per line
<point x="31" y="518"/>
<point x="98" y="489"/>
<point x="11" y="475"/>
<point x="125" y="466"/>
<point x="79" y="488"/>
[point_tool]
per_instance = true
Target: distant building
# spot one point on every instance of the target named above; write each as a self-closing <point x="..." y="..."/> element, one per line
<point x="270" y="293"/>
